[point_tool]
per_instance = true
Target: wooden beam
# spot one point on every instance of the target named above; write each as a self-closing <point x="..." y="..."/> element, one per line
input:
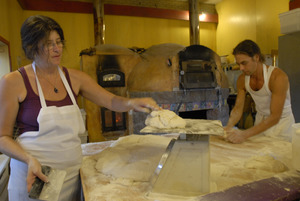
<point x="57" y="6"/>
<point x="110" y="9"/>
<point x="145" y="12"/>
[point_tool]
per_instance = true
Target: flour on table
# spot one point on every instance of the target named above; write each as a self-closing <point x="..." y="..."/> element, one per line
<point x="108" y="182"/>
<point x="134" y="157"/>
<point x="165" y="119"/>
<point x="266" y="163"/>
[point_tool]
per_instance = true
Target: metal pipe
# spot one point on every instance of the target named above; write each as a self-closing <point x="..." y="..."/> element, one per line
<point x="99" y="22"/>
<point x="194" y="22"/>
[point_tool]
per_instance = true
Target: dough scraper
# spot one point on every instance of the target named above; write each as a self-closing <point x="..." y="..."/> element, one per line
<point x="48" y="191"/>
<point x="184" y="168"/>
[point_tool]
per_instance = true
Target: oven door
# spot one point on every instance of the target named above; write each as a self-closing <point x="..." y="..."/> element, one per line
<point x="197" y="74"/>
<point x="196" y="80"/>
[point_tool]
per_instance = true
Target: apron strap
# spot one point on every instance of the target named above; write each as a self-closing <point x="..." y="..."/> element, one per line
<point x="266" y="78"/>
<point x="67" y="86"/>
<point x="63" y="78"/>
<point x="41" y="95"/>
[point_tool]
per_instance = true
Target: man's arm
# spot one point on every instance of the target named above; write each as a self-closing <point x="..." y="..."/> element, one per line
<point x="238" y="108"/>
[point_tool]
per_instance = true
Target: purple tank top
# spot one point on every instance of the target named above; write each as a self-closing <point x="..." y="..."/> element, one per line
<point x="30" y="107"/>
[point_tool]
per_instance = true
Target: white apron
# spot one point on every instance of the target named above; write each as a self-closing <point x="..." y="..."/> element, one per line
<point x="56" y="144"/>
<point x="262" y="99"/>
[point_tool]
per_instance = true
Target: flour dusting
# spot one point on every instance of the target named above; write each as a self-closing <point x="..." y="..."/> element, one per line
<point x="122" y="170"/>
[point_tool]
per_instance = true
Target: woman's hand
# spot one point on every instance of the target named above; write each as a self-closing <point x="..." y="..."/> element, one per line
<point x="235" y="136"/>
<point x="34" y="170"/>
<point x="143" y="104"/>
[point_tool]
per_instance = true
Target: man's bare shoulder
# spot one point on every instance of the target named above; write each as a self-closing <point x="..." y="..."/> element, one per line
<point x="278" y="75"/>
<point x="278" y="80"/>
<point x="241" y="80"/>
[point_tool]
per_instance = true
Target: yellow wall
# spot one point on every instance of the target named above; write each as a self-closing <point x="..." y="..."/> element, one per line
<point x="4" y="15"/>
<point x="144" y="32"/>
<point x="78" y="29"/>
<point x="257" y="20"/>
<point x="208" y="35"/>
<point x="268" y="23"/>
<point x="11" y="20"/>
<point x="253" y="19"/>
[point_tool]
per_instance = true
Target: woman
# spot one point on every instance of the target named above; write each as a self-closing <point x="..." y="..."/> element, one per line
<point x="41" y="99"/>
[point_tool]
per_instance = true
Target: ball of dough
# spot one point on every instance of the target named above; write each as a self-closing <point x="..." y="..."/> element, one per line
<point x="165" y="119"/>
<point x="266" y="163"/>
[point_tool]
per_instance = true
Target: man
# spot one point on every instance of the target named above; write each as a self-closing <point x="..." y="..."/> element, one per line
<point x="269" y="88"/>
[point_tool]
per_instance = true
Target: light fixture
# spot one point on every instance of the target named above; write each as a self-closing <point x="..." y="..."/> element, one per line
<point x="202" y="17"/>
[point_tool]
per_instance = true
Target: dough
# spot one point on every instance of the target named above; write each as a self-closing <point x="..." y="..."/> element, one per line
<point x="133" y="157"/>
<point x="165" y="119"/>
<point x="266" y="163"/>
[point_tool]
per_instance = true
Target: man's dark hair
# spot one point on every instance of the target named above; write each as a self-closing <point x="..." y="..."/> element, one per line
<point x="250" y="48"/>
<point x="35" y="29"/>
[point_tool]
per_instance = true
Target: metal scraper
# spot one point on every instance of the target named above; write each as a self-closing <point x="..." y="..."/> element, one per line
<point x="184" y="168"/>
<point x="48" y="191"/>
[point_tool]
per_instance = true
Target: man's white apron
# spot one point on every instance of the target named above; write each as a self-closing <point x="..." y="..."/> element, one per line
<point x="56" y="144"/>
<point x="262" y="99"/>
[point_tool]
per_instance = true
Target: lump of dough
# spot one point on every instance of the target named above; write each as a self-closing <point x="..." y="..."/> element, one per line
<point x="266" y="163"/>
<point x="165" y="119"/>
<point x="133" y="157"/>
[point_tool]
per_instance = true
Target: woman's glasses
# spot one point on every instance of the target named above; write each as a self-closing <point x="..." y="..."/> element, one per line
<point x="57" y="44"/>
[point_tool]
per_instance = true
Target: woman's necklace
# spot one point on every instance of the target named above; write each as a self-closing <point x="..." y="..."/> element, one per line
<point x="54" y="87"/>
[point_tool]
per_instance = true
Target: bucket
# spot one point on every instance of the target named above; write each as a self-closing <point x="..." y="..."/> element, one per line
<point x="296" y="146"/>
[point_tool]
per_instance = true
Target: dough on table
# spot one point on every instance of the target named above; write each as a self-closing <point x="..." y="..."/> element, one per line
<point x="133" y="157"/>
<point x="165" y="119"/>
<point x="266" y="163"/>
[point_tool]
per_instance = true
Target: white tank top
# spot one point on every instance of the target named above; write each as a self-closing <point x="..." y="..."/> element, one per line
<point x="262" y="97"/>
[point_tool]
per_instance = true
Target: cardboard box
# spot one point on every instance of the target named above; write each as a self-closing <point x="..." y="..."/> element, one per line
<point x="290" y="21"/>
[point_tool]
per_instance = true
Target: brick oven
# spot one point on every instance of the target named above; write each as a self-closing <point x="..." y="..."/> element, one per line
<point x="187" y="80"/>
<point x="199" y="89"/>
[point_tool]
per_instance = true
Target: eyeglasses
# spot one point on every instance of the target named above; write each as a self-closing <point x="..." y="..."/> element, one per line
<point x="51" y="45"/>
